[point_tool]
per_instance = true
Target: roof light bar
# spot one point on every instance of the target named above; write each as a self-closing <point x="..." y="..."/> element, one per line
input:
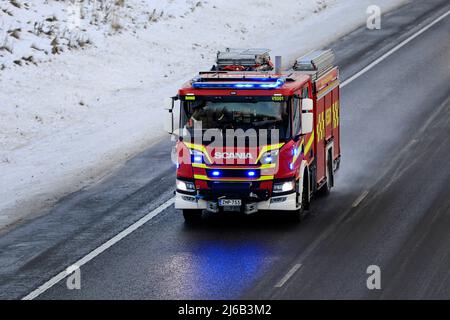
<point x="254" y="83"/>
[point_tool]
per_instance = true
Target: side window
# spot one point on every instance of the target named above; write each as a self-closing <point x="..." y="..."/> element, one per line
<point x="296" y="116"/>
<point x="305" y="93"/>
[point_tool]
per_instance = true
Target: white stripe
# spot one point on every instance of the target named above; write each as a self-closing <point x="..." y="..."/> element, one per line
<point x="393" y="50"/>
<point x="60" y="276"/>
<point x="288" y="275"/>
<point x="360" y="199"/>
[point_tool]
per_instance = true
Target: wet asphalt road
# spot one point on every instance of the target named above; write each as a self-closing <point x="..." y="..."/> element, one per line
<point x="395" y="133"/>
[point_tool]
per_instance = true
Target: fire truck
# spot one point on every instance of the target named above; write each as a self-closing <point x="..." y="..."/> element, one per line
<point x="293" y="151"/>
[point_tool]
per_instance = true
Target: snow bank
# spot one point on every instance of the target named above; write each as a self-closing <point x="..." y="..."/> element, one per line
<point x="91" y="99"/>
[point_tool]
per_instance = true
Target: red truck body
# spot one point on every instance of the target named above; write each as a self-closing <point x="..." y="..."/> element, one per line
<point x="282" y="175"/>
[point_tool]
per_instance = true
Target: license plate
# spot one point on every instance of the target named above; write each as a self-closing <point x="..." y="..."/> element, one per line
<point x="230" y="202"/>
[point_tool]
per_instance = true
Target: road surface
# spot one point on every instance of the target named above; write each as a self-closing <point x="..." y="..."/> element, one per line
<point x="390" y="206"/>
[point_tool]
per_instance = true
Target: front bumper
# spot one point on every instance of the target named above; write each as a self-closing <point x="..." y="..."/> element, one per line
<point x="279" y="203"/>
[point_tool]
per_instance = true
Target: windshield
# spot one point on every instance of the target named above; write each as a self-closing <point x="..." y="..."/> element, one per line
<point x="244" y="115"/>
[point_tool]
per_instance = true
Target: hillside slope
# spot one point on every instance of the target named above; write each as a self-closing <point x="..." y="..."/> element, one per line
<point x="92" y="98"/>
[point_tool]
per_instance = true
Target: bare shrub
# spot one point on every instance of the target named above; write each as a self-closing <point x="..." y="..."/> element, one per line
<point x="16" y="3"/>
<point x="15" y="33"/>
<point x="55" y="46"/>
<point x="6" y="45"/>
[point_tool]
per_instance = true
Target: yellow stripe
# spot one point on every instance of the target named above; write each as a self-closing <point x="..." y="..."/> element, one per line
<point x="203" y="177"/>
<point x="263" y="149"/>
<point x="336" y="114"/>
<point x="298" y="152"/>
<point x="323" y="126"/>
<point x="309" y="144"/>
<point x="200" y="148"/>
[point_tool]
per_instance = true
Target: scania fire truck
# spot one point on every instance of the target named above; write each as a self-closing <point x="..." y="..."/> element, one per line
<point x="293" y="150"/>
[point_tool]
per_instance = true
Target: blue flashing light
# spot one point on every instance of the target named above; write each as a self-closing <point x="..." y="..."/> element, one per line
<point x="253" y="83"/>
<point x="198" y="159"/>
<point x="268" y="159"/>
<point x="177" y="165"/>
<point x="295" y="151"/>
<point x="251" y="173"/>
<point x="244" y="85"/>
<point x="216" y="173"/>
<point x="291" y="166"/>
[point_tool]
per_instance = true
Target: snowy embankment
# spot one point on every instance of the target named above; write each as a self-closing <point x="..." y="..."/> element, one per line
<point x="82" y="81"/>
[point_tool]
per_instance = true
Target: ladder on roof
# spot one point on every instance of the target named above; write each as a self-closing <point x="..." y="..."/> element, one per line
<point x="234" y="59"/>
<point x="316" y="63"/>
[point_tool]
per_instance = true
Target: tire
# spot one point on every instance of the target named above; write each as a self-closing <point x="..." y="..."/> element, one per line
<point x="192" y="216"/>
<point x="301" y="213"/>
<point x="305" y="194"/>
<point x="326" y="188"/>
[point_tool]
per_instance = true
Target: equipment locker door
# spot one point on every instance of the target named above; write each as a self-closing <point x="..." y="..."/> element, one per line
<point x="336" y="133"/>
<point x="320" y="139"/>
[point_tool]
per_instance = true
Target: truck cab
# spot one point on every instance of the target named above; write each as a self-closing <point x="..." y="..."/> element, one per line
<point x="251" y="139"/>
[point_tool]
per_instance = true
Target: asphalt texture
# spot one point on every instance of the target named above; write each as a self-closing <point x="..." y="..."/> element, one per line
<point x="395" y="125"/>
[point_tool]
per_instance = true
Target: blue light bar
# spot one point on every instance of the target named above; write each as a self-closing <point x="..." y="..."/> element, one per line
<point x="254" y="83"/>
<point x="251" y="173"/>
<point x="216" y="173"/>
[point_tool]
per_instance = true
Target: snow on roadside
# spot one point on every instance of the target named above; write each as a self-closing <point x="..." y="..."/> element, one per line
<point x="72" y="117"/>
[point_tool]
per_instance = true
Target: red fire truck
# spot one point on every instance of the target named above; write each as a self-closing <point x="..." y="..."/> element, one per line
<point x="297" y="111"/>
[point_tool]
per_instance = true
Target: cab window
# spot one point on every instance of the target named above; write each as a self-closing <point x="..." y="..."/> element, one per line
<point x="296" y="113"/>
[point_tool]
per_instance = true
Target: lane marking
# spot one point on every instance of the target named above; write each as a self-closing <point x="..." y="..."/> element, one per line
<point x="360" y="199"/>
<point x="60" y="276"/>
<point x="105" y="246"/>
<point x="393" y="50"/>
<point x="288" y="275"/>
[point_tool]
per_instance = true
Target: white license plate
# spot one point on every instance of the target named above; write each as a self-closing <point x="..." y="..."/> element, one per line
<point x="230" y="202"/>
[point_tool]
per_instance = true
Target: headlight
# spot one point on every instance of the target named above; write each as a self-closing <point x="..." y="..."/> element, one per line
<point x="269" y="157"/>
<point x="284" y="186"/>
<point x="185" y="185"/>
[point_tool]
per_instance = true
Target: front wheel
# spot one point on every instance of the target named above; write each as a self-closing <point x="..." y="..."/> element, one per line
<point x="302" y="204"/>
<point x="192" y="216"/>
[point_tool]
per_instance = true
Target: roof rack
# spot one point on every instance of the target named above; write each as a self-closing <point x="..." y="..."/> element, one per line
<point x="233" y="59"/>
<point x="316" y="62"/>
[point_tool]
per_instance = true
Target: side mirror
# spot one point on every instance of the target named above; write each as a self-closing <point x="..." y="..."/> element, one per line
<point x="307" y="104"/>
<point x="173" y="116"/>
<point x="307" y="122"/>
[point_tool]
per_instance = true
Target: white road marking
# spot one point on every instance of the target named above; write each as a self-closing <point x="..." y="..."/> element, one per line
<point x="288" y="275"/>
<point x="60" y="276"/>
<point x="360" y="199"/>
<point x="393" y="50"/>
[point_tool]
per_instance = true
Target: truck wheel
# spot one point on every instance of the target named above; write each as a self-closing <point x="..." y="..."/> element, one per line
<point x="326" y="188"/>
<point x="192" y="216"/>
<point x="299" y="214"/>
